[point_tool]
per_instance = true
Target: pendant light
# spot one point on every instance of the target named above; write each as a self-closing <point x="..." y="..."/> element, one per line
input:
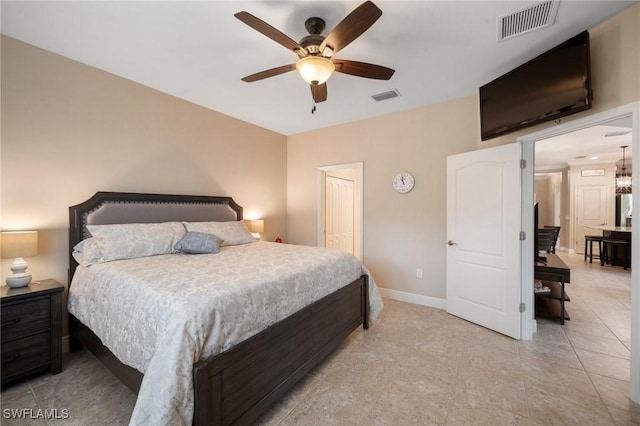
<point x="623" y="180"/>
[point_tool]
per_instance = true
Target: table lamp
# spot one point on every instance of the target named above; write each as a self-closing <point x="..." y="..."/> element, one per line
<point x="17" y="245"/>
<point x="256" y="227"/>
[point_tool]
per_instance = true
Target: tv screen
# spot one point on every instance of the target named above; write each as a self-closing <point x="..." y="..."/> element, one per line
<point x="552" y="85"/>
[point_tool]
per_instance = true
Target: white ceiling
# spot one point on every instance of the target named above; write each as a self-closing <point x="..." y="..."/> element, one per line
<point x="198" y="51"/>
<point x="594" y="145"/>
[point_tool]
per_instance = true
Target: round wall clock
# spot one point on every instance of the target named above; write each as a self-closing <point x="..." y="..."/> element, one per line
<point x="403" y="182"/>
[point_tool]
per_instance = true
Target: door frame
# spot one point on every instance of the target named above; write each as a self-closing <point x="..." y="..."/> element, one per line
<point x="528" y="151"/>
<point x="609" y="219"/>
<point x="359" y="211"/>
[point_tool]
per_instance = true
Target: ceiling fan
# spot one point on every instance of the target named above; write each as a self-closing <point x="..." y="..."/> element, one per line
<point x="315" y="51"/>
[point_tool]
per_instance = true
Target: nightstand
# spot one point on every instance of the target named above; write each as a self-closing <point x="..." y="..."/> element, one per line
<point x="31" y="329"/>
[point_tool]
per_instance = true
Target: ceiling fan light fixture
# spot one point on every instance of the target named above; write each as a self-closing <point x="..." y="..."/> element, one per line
<point x="315" y="69"/>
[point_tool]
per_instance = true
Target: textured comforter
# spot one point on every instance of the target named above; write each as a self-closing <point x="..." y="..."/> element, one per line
<point x="161" y="314"/>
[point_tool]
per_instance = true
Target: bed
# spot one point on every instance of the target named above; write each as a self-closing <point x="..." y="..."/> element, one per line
<point x="239" y="383"/>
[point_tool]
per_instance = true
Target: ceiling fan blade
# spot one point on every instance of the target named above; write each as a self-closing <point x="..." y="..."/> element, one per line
<point x="269" y="31"/>
<point x="269" y="73"/>
<point x="319" y="92"/>
<point x="352" y="26"/>
<point x="363" y="69"/>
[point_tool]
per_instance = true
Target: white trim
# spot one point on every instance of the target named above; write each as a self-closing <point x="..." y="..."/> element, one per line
<point x="416" y="299"/>
<point x="320" y="203"/>
<point x="630" y="110"/>
<point x="527" y="178"/>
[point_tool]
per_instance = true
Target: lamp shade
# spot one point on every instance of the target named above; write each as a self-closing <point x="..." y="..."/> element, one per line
<point x="256" y="225"/>
<point x="315" y="69"/>
<point x="18" y="244"/>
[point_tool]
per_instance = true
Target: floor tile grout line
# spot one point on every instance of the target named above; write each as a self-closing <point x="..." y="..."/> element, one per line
<point x="604" y="324"/>
<point x="587" y="372"/>
<point x="35" y="399"/>
<point x="591" y="381"/>
<point x="524" y="381"/>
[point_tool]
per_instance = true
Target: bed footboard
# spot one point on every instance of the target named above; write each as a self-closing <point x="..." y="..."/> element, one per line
<point x="240" y="384"/>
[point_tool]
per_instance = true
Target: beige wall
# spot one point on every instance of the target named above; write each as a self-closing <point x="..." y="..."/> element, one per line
<point x="402" y="232"/>
<point x="545" y="186"/>
<point x="69" y="130"/>
<point x="405" y="232"/>
<point x="544" y="198"/>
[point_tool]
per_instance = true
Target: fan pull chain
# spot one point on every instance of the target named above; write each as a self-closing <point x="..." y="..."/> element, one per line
<point x="313" y="105"/>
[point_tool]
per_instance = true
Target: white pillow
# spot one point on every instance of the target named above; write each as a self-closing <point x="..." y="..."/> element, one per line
<point x="232" y="233"/>
<point x="87" y="252"/>
<point x="131" y="240"/>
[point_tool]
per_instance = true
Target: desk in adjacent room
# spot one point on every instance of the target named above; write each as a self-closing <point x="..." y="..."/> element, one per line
<point x="557" y="273"/>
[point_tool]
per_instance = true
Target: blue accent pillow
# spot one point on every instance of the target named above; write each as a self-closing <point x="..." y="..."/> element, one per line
<point x="198" y="243"/>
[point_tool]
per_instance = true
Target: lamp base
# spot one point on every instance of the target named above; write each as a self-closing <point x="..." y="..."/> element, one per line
<point x="18" y="280"/>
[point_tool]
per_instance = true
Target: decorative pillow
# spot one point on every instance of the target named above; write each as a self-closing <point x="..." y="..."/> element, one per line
<point x="87" y="252"/>
<point x="131" y="240"/>
<point x="232" y="233"/>
<point x="198" y="243"/>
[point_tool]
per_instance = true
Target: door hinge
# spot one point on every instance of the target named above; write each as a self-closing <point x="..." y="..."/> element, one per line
<point x="523" y="164"/>
<point x="523" y="236"/>
<point x="522" y="307"/>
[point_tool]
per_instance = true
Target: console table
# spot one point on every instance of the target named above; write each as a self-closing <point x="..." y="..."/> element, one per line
<point x="555" y="271"/>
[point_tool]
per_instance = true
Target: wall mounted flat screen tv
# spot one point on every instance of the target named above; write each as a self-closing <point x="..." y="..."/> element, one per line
<point x="552" y="85"/>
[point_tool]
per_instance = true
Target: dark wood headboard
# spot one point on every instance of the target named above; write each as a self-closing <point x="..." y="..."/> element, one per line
<point x="127" y="207"/>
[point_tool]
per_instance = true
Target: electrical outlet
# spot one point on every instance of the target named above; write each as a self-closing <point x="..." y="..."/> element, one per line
<point x="419" y="273"/>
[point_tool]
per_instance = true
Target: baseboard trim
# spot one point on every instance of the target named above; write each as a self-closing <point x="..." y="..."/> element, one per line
<point x="65" y="344"/>
<point x="417" y="299"/>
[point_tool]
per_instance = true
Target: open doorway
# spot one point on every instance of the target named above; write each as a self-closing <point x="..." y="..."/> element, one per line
<point x="575" y="180"/>
<point x="576" y="189"/>
<point x="632" y="113"/>
<point x="340" y="210"/>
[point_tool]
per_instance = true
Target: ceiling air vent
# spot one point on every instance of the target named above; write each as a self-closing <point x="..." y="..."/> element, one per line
<point x="386" y="95"/>
<point x="532" y="18"/>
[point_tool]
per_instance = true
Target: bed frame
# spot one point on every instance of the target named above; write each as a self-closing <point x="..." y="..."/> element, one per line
<point x="239" y="385"/>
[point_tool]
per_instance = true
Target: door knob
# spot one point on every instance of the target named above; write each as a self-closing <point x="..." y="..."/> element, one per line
<point x="451" y="243"/>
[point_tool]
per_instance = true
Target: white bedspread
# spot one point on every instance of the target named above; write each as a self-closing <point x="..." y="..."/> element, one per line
<point x="161" y="314"/>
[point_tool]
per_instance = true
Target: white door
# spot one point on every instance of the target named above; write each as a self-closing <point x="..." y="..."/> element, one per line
<point x="339" y="214"/>
<point x="592" y="204"/>
<point x="483" y="229"/>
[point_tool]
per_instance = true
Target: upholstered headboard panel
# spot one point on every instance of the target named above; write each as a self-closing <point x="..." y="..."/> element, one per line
<point x="126" y="207"/>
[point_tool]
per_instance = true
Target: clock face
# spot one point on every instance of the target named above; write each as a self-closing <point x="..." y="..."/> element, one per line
<point x="403" y="182"/>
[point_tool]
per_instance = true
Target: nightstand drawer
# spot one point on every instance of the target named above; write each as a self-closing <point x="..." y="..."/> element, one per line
<point x="28" y="353"/>
<point x="26" y="318"/>
<point x="31" y="329"/>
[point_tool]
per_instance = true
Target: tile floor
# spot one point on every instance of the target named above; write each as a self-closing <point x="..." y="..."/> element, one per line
<point x="420" y="366"/>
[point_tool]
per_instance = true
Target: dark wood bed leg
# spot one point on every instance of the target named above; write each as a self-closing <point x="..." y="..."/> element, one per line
<point x="74" y="344"/>
<point x="207" y="396"/>
<point x="365" y="301"/>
